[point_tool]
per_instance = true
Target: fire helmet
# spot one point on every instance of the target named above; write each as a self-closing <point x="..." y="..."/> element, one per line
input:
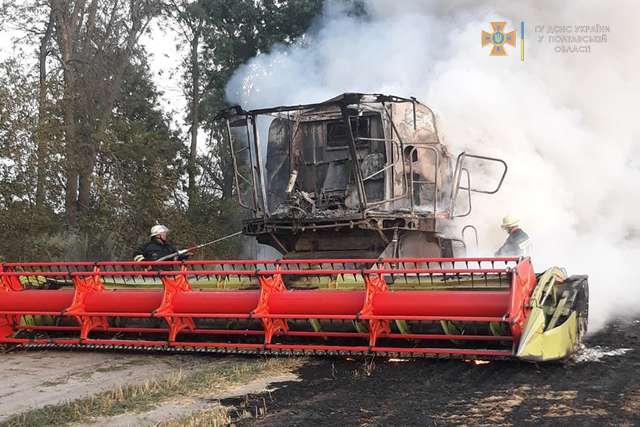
<point x="157" y="229"/>
<point x="510" y="221"/>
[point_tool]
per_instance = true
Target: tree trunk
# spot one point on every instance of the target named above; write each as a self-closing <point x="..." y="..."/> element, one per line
<point x="41" y="141"/>
<point x="71" y="194"/>
<point x="195" y="117"/>
<point x="84" y="188"/>
<point x="70" y="203"/>
<point x="64" y="31"/>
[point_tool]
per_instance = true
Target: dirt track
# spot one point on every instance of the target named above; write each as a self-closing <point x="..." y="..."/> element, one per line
<point x="35" y="379"/>
<point x="345" y="393"/>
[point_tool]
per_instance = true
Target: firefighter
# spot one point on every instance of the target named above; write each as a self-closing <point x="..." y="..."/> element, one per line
<point x="517" y="243"/>
<point x="157" y="247"/>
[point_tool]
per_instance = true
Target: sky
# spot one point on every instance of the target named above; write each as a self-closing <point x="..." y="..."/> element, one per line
<point x="5" y="44"/>
<point x="165" y="58"/>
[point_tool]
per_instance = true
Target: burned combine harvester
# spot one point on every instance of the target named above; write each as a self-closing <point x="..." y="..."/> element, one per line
<point x="355" y="193"/>
<point x="358" y="176"/>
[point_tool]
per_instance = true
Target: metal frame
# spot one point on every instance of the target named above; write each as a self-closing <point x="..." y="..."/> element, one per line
<point x="342" y="102"/>
<point x="475" y="232"/>
<point x="393" y="163"/>
<point x="259" y="190"/>
<point x="469" y="207"/>
<point x="458" y="175"/>
<point x="435" y="183"/>
<point x="353" y="150"/>
<point x="86" y="308"/>
<point x="363" y="213"/>
<point x="236" y="171"/>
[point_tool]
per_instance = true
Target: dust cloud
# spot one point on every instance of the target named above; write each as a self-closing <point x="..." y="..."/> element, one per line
<point x="564" y="120"/>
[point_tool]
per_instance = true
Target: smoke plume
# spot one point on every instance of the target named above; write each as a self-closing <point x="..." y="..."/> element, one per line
<point x="563" y="121"/>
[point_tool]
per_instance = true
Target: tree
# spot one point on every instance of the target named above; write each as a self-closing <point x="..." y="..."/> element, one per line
<point x="138" y="167"/>
<point x="41" y="139"/>
<point x="96" y="40"/>
<point x="17" y="121"/>
<point x="87" y="157"/>
<point x="190" y="19"/>
<point x="34" y="22"/>
<point x="18" y="118"/>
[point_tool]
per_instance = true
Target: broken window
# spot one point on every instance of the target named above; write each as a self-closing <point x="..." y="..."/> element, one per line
<point x="338" y="134"/>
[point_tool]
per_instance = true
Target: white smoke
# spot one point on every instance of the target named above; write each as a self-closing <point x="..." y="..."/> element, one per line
<point x="564" y="122"/>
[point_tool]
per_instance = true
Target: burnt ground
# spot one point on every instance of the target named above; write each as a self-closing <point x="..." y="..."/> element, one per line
<point x="431" y="392"/>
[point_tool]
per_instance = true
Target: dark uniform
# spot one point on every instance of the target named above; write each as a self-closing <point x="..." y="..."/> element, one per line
<point x="517" y="244"/>
<point x="155" y="249"/>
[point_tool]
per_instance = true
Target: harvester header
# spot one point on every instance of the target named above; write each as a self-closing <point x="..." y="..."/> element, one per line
<point x="462" y="307"/>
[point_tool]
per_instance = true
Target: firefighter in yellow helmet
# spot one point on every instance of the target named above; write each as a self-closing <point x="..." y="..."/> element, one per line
<point x="517" y="243"/>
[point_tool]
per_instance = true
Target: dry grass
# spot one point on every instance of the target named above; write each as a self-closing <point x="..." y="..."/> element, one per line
<point x="216" y="417"/>
<point x="221" y="415"/>
<point x="145" y="396"/>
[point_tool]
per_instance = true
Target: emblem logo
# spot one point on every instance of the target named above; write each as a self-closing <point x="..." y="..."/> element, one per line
<point x="498" y="38"/>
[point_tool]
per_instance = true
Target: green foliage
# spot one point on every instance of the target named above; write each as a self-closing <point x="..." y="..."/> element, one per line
<point x="81" y="116"/>
<point x="237" y="31"/>
<point x="17" y="123"/>
<point x="17" y="176"/>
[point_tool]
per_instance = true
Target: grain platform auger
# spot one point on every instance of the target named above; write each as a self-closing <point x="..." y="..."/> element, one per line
<point x="354" y="194"/>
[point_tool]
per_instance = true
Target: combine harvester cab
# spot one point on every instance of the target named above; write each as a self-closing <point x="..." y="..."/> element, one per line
<point x="356" y="194"/>
<point x="462" y="307"/>
<point x="357" y="176"/>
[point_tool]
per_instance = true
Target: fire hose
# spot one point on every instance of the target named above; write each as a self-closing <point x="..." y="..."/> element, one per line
<point x="194" y="248"/>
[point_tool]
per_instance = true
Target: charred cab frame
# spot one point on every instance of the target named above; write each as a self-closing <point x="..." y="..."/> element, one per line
<point x="357" y="176"/>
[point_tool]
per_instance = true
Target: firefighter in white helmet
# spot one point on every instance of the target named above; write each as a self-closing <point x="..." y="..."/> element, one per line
<point x="157" y="247"/>
<point x="517" y="243"/>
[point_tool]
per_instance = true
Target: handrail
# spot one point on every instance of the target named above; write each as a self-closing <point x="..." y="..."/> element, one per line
<point x="259" y="262"/>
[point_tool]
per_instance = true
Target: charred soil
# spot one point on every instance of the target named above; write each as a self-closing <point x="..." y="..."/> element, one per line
<point x="602" y="387"/>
